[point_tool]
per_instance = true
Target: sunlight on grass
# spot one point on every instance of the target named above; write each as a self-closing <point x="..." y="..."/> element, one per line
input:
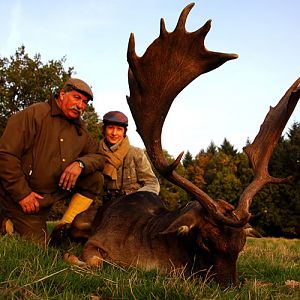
<point x="271" y="264"/>
<point x="268" y="267"/>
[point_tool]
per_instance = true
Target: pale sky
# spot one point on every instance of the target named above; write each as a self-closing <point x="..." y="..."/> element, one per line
<point x="230" y="102"/>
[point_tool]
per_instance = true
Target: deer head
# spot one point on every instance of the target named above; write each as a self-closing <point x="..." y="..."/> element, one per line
<point x="169" y="64"/>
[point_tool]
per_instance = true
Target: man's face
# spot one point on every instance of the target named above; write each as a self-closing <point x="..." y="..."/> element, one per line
<point x="72" y="103"/>
<point x="114" y="133"/>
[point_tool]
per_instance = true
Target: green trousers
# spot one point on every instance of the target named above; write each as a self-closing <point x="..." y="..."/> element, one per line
<point x="33" y="226"/>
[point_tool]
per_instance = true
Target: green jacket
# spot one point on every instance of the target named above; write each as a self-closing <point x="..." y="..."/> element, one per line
<point x="37" y="145"/>
<point x="135" y="174"/>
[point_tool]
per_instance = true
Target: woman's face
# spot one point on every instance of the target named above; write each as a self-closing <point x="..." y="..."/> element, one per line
<point x="114" y="133"/>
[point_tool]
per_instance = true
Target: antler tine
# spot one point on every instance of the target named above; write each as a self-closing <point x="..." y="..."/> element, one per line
<point x="163" y="31"/>
<point x="168" y="171"/>
<point x="260" y="151"/>
<point x="131" y="48"/>
<point x="183" y="17"/>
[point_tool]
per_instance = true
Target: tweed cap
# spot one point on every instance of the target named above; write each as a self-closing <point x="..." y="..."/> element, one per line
<point x="115" y="117"/>
<point x="80" y="86"/>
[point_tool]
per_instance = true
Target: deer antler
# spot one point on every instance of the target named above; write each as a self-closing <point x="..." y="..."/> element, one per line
<point x="169" y="64"/>
<point x="260" y="151"/>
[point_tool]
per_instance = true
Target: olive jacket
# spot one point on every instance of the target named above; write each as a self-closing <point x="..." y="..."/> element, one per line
<point x="135" y="174"/>
<point x="38" y="143"/>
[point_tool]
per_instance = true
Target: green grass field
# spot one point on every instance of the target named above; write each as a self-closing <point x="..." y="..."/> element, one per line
<point x="269" y="269"/>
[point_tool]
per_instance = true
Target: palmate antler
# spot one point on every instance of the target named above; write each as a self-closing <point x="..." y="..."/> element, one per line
<point x="169" y="64"/>
<point x="260" y="151"/>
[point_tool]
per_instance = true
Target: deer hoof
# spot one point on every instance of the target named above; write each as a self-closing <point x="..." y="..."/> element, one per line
<point x="74" y="260"/>
<point x="94" y="261"/>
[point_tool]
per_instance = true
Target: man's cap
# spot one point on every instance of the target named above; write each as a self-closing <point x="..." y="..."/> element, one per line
<point x="80" y="86"/>
<point x="115" y="117"/>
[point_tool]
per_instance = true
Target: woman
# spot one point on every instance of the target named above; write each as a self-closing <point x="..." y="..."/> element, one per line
<point x="127" y="169"/>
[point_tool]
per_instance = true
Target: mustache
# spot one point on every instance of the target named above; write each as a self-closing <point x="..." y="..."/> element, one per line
<point x="74" y="107"/>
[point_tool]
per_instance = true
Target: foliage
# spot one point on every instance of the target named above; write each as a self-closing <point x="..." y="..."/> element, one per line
<point x="268" y="268"/>
<point x="227" y="148"/>
<point x="212" y="148"/>
<point x="25" y="80"/>
<point x="187" y="159"/>
<point x="196" y="171"/>
<point x="94" y="125"/>
<point x="221" y="175"/>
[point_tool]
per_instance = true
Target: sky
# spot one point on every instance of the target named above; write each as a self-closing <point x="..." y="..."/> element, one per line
<point x="230" y="102"/>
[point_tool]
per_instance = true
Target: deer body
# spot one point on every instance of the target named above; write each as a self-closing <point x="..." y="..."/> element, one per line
<point x="138" y="230"/>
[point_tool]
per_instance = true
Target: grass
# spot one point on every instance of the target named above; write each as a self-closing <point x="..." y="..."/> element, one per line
<point x="270" y="269"/>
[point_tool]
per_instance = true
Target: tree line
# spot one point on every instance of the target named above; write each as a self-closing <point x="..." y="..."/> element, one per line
<point x="221" y="171"/>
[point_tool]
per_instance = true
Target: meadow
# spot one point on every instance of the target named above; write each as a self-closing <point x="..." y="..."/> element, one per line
<point x="268" y="268"/>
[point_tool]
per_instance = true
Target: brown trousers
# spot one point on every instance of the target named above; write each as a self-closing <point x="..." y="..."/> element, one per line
<point x="33" y="226"/>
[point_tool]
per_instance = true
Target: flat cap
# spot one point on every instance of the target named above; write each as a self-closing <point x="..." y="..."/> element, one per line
<point x="115" y="117"/>
<point x="80" y="86"/>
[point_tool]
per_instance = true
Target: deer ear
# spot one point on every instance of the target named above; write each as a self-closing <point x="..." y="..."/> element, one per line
<point x="183" y="222"/>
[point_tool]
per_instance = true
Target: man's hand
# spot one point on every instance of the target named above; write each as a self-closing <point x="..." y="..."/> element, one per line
<point x="69" y="176"/>
<point x="30" y="204"/>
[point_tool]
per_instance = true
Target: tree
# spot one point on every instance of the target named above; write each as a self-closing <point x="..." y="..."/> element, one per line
<point x="196" y="173"/>
<point x="212" y="148"/>
<point x="25" y="80"/>
<point x="93" y="123"/>
<point x="227" y="148"/>
<point x="187" y="159"/>
<point x="221" y="176"/>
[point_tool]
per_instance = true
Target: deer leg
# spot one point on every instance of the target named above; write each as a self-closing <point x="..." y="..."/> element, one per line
<point x="74" y="260"/>
<point x="92" y="255"/>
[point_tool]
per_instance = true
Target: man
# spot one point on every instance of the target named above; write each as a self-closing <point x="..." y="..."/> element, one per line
<point x="47" y="155"/>
<point x="127" y="168"/>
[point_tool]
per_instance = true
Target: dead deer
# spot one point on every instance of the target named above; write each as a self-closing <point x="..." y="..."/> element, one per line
<point x="207" y="235"/>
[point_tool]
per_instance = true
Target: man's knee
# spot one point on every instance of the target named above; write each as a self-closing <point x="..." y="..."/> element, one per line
<point x="91" y="185"/>
<point x="30" y="227"/>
